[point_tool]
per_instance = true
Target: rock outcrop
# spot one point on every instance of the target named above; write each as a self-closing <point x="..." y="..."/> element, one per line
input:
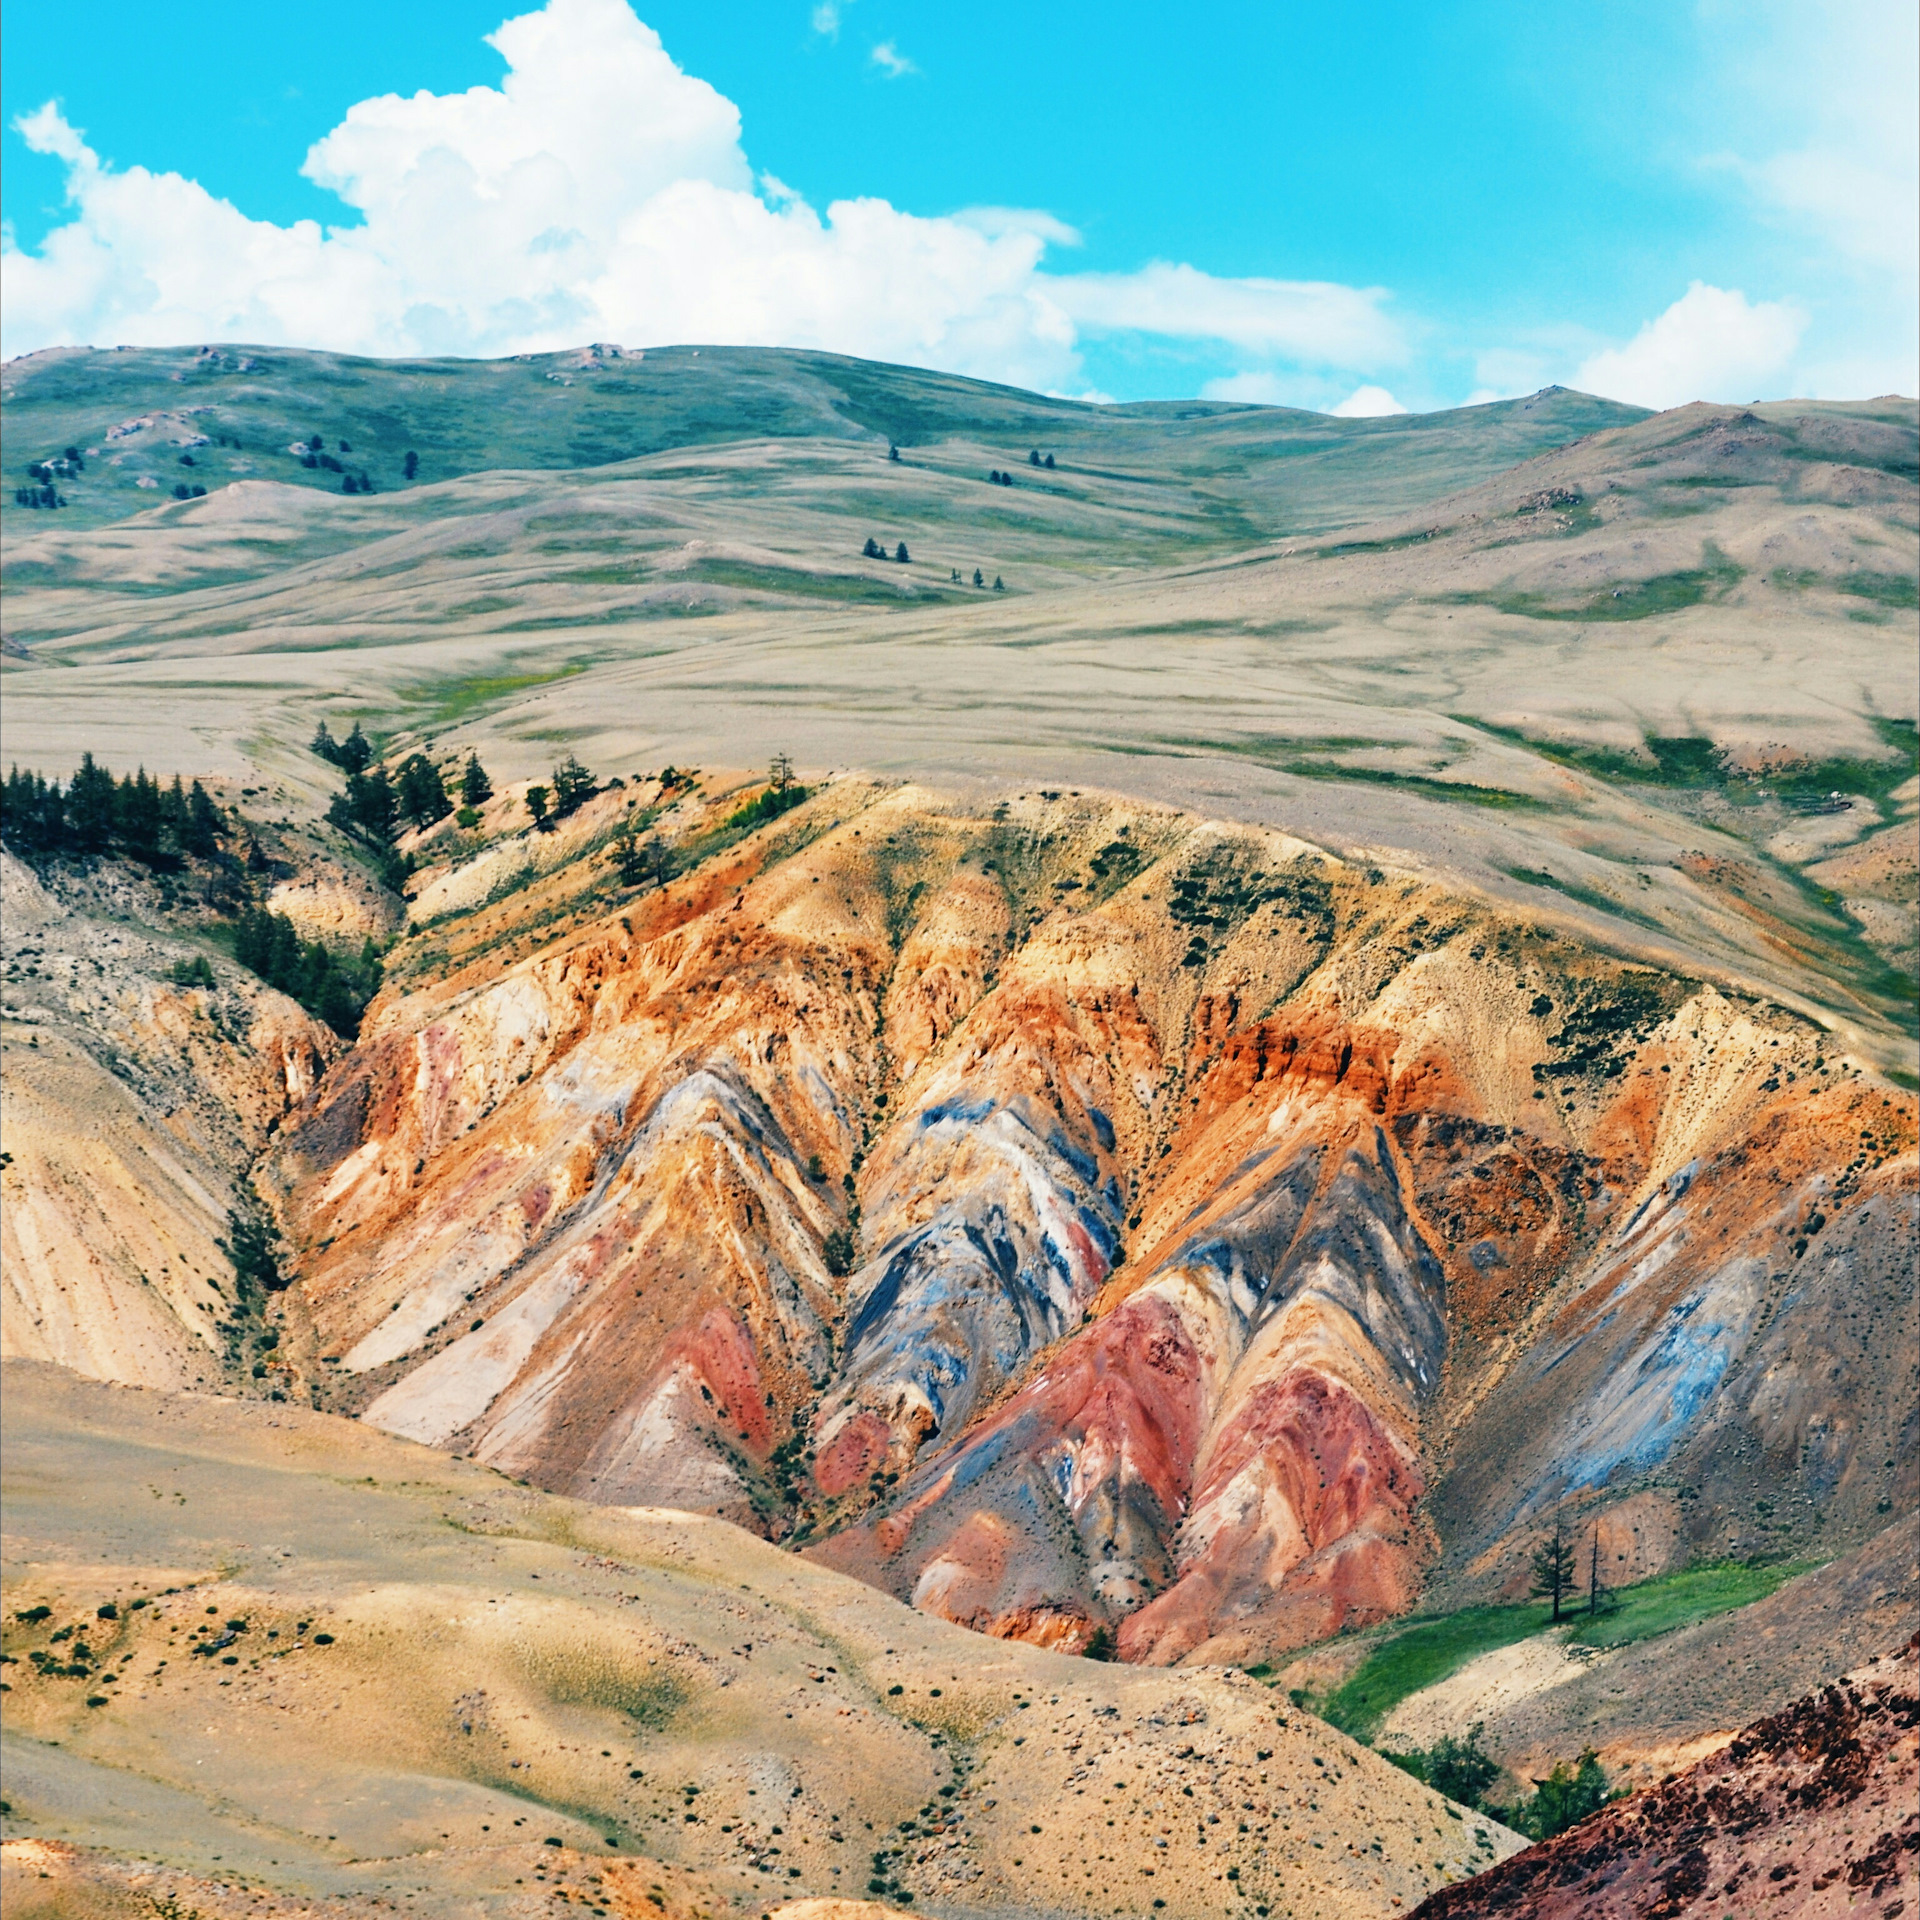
<point x="1814" y="1810"/>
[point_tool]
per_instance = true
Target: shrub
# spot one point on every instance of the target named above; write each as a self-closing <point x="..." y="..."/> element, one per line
<point x="768" y="805"/>
<point x="1563" y="1799"/>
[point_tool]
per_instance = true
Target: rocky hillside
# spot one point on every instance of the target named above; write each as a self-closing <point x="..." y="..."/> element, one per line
<point x="1812" y="1811"/>
<point x="135" y="1096"/>
<point x="1096" y="1224"/>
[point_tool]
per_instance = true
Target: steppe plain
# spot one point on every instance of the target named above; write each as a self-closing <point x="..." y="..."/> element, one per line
<point x="1348" y="908"/>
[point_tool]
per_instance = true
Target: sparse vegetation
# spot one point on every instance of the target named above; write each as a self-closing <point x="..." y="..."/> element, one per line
<point x="1422" y="1652"/>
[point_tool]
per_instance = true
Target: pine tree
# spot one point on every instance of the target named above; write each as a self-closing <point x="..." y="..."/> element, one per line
<point x="537" y="805"/>
<point x="900" y="553"/>
<point x="90" y="806"/>
<point x="780" y="773"/>
<point x="173" y="814"/>
<point x="355" y="751"/>
<point x="410" y="465"/>
<point x="1554" y="1569"/>
<point x="422" y="798"/>
<point x="475" y="788"/>
<point x="203" y="830"/>
<point x="1048" y="463"/>
<point x="1033" y="456"/>
<point x="871" y="551"/>
<point x="979" y="580"/>
<point x="136" y="817"/>
<point x="573" y="787"/>
<point x="999" y="585"/>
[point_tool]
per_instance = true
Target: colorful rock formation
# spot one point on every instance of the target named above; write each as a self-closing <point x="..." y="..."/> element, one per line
<point x="1102" y="1227"/>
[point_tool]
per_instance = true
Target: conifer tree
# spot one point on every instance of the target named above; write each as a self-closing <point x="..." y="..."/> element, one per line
<point x="203" y="829"/>
<point x="422" y="798"/>
<point x="475" y="788"/>
<point x="90" y="806"/>
<point x="573" y="787"/>
<point x="1554" y="1569"/>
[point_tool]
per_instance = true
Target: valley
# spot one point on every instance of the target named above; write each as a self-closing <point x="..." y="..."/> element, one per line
<point x="1351" y="1022"/>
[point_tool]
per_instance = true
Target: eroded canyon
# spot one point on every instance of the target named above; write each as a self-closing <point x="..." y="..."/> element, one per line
<point x="1081" y="1219"/>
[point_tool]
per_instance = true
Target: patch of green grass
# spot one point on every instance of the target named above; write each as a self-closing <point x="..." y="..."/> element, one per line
<point x="1399" y="544"/>
<point x="796" y="582"/>
<point x="1692" y="761"/>
<point x="1423" y="1655"/>
<point x="1296" y="757"/>
<point x="1888" y="589"/>
<point x="1634" y="600"/>
<point x="447" y="702"/>
<point x="1679" y="1599"/>
<point x="1586" y="895"/>
<point x="1425" y="1652"/>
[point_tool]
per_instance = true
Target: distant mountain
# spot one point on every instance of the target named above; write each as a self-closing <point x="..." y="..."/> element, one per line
<point x="134" y="412"/>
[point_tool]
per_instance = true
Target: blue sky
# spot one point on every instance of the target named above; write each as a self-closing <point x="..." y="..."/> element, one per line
<point x="1407" y="205"/>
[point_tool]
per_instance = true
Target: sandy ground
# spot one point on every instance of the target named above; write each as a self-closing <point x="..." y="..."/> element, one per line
<point x="503" y="1667"/>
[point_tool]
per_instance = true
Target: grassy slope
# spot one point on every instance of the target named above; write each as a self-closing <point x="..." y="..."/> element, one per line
<point x="1425" y="1652"/>
<point x="1280" y="470"/>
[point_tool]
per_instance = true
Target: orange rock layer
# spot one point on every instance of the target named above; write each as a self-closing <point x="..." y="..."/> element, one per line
<point x="1098" y="1226"/>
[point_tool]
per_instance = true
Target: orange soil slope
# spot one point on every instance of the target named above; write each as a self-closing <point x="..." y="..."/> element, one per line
<point x="1231" y="1231"/>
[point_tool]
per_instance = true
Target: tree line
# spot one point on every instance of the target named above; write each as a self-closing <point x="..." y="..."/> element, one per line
<point x="1462" y="1769"/>
<point x="161" y="827"/>
<point x="375" y="806"/>
<point x="164" y="828"/>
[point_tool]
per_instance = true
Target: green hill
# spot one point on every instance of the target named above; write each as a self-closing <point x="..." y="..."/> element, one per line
<point x="1263" y="471"/>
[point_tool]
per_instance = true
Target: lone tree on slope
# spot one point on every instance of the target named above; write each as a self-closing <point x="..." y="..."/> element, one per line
<point x="900" y="553"/>
<point x="475" y="788"/>
<point x="1553" y="1569"/>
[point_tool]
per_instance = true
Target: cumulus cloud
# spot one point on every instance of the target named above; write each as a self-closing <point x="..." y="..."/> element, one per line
<point x="1367" y="403"/>
<point x="601" y="192"/>
<point x="891" y="61"/>
<point x="1711" y="344"/>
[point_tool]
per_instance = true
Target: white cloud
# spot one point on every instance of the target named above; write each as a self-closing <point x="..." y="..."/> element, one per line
<point x="1367" y="403"/>
<point x="1316" y="321"/>
<point x="599" y="192"/>
<point x="1252" y="389"/>
<point x="1843" y="71"/>
<point x="826" y="20"/>
<point x="1711" y="344"/>
<point x="995" y="221"/>
<point x="891" y="61"/>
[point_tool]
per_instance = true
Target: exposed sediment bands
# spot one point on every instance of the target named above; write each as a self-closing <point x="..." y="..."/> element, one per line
<point x="1080" y="1219"/>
